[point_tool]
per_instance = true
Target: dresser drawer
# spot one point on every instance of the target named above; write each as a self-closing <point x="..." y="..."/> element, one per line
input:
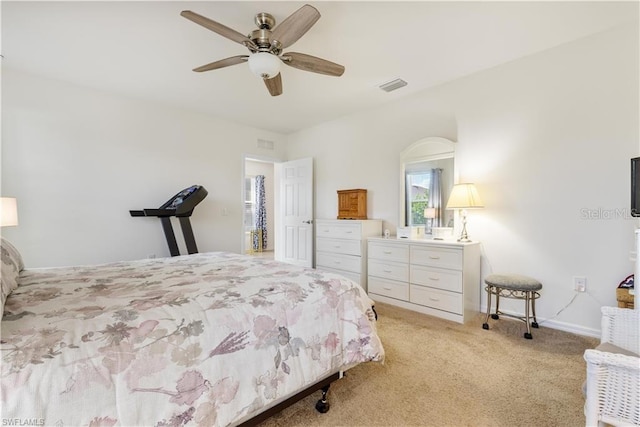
<point x="389" y="270"/>
<point x="339" y="262"/>
<point x="436" y="257"/>
<point x="389" y="251"/>
<point x="389" y="288"/>
<point x="342" y="230"/>
<point x="339" y="246"/>
<point x="448" y="280"/>
<point x="436" y="298"/>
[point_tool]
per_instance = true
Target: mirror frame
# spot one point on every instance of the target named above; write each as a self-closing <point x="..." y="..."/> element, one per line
<point x="426" y="149"/>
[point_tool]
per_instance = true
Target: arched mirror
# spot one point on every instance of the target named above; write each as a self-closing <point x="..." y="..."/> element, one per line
<point x="427" y="176"/>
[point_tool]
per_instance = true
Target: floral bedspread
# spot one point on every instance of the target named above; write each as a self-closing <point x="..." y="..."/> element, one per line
<point x="204" y="340"/>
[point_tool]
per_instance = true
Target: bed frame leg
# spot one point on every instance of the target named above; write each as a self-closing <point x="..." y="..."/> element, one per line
<point x="323" y="406"/>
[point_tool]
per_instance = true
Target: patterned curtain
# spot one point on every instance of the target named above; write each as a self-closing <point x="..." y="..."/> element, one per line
<point x="261" y="215"/>
<point x="435" y="196"/>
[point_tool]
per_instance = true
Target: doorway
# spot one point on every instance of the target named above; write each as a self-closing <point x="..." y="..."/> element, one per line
<point x="258" y="238"/>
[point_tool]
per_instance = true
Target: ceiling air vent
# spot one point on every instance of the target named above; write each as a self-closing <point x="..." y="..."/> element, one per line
<point x="263" y="143"/>
<point x="393" y="85"/>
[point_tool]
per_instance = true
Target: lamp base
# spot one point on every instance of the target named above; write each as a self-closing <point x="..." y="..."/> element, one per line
<point x="464" y="238"/>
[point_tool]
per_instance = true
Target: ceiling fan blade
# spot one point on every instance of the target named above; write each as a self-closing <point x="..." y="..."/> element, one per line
<point x="217" y="27"/>
<point x="234" y="60"/>
<point x="295" y="26"/>
<point x="274" y="85"/>
<point x="311" y="63"/>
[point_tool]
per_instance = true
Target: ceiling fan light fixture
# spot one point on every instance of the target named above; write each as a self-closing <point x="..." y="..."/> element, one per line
<point x="264" y="65"/>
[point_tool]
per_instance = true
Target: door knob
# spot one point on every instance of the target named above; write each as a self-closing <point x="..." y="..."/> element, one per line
<point x="309" y="221"/>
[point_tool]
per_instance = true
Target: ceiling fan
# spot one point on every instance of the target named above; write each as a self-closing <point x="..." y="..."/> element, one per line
<point x="266" y="45"/>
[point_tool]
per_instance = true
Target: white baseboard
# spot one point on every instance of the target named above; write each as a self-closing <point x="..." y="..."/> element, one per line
<point x="561" y="326"/>
<point x="569" y="327"/>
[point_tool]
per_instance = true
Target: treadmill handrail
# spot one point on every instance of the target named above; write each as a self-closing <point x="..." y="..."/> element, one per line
<point x="159" y="212"/>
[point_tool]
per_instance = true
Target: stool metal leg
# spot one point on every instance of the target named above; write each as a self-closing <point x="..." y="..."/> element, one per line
<point x="534" y="324"/>
<point x="527" y="301"/>
<point x="485" y="325"/>
<point x="496" y="314"/>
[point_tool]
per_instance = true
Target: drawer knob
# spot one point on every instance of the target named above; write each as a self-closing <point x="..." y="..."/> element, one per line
<point x="386" y="288"/>
<point x="388" y="271"/>
<point x="434" y="278"/>
<point x="434" y="299"/>
<point x="388" y="252"/>
<point x="433" y="257"/>
<point x="337" y="246"/>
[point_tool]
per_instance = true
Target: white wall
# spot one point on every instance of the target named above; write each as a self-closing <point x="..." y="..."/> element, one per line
<point x="78" y="160"/>
<point x="547" y="139"/>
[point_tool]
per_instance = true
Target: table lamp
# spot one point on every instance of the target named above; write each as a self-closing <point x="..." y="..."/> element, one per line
<point x="429" y="215"/>
<point x="464" y="196"/>
<point x="8" y="212"/>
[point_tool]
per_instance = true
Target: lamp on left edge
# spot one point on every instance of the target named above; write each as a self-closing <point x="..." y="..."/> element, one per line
<point x="8" y="212"/>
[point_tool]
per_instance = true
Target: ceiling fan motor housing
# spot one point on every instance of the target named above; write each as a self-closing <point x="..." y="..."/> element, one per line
<point x="262" y="39"/>
<point x="262" y="36"/>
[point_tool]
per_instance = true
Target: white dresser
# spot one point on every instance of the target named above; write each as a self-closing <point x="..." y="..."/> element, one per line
<point x="341" y="246"/>
<point x="440" y="278"/>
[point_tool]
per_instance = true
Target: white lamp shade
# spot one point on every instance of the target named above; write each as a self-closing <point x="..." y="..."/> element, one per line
<point x="8" y="211"/>
<point x="464" y="196"/>
<point x="264" y="65"/>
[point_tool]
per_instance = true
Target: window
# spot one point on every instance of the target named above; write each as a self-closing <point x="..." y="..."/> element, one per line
<point x="418" y="180"/>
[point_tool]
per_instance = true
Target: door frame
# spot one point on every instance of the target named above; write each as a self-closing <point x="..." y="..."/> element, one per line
<point x="277" y="220"/>
<point x="276" y="208"/>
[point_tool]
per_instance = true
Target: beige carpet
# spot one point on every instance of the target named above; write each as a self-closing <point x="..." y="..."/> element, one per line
<point x="440" y="373"/>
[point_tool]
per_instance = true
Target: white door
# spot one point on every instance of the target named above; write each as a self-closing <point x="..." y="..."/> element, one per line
<point x="296" y="207"/>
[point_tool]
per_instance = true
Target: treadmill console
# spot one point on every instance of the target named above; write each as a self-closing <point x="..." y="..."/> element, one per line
<point x="184" y="202"/>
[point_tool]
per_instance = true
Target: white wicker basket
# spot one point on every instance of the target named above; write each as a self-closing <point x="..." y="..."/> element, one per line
<point x="613" y="380"/>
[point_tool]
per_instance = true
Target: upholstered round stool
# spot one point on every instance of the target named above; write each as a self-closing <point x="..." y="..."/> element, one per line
<point x="513" y="286"/>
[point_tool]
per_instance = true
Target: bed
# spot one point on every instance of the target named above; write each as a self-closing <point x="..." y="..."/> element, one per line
<point x="211" y="339"/>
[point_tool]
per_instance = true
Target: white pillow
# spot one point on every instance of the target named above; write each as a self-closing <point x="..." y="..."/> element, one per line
<point x="12" y="265"/>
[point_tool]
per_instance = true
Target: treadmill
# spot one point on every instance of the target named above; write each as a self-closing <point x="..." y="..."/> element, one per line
<point x="181" y="206"/>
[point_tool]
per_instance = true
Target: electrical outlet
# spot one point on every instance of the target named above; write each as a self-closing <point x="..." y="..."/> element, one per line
<point x="580" y="283"/>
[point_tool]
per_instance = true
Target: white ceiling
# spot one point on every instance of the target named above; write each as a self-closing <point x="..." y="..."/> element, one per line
<point x="146" y="50"/>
